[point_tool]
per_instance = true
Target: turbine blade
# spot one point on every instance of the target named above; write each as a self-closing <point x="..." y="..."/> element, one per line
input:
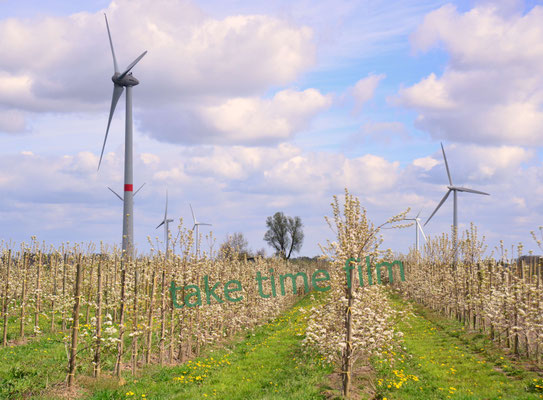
<point x="421" y="231"/>
<point x="193" y="217"/>
<point x="132" y="64"/>
<point x="439" y="205"/>
<point x="203" y="223"/>
<point x="418" y="214"/>
<point x="463" y="189"/>
<point x="159" y="225"/>
<point x="115" y="65"/>
<point x="446" y="164"/>
<point x="117" y="92"/>
<point x="136" y="192"/>
<point x="115" y="193"/>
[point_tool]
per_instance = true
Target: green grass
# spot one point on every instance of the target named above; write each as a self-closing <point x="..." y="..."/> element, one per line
<point x="30" y="368"/>
<point x="442" y="361"/>
<point x="267" y="364"/>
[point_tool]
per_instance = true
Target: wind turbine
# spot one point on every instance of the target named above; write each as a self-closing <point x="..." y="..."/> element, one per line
<point x="197" y="225"/>
<point x="418" y="228"/>
<point x="123" y="80"/>
<point x="453" y="189"/>
<point x="166" y="223"/>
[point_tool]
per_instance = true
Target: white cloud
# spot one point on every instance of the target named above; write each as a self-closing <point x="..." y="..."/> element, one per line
<point x="197" y="66"/>
<point x="236" y="187"/>
<point x="491" y="90"/>
<point x="429" y="93"/>
<point x="324" y="173"/>
<point x="426" y="163"/>
<point x="189" y="52"/>
<point x="253" y="120"/>
<point x="483" y="164"/>
<point x="149" y="158"/>
<point x="364" y="89"/>
<point x="519" y="202"/>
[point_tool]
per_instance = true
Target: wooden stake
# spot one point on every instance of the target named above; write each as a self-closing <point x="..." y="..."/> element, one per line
<point x="150" y="320"/>
<point x="98" y="321"/>
<point x="120" y="346"/>
<point x="6" y="301"/>
<point x="75" y="324"/>
<point x="23" y="296"/>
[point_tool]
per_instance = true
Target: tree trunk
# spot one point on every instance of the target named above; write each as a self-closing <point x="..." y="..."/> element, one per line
<point x="347" y="354"/>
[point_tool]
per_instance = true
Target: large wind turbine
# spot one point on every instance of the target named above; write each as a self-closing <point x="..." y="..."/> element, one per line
<point x="197" y="225"/>
<point x="123" y="80"/>
<point x="418" y="228"/>
<point x="453" y="189"/>
<point x="166" y="223"/>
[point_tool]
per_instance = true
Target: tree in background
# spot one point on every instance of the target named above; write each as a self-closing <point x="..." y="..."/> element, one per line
<point x="261" y="253"/>
<point x="235" y="244"/>
<point x="284" y="234"/>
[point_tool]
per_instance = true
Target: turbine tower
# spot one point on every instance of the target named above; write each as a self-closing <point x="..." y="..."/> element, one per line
<point x="166" y="223"/>
<point x="418" y="228"/>
<point x="123" y="80"/>
<point x="453" y="189"/>
<point x="197" y="225"/>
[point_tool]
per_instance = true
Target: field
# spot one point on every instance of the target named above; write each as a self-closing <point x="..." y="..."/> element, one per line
<point x="79" y="323"/>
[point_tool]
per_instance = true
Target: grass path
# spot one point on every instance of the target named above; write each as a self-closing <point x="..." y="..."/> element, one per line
<point x="442" y="361"/>
<point x="268" y="364"/>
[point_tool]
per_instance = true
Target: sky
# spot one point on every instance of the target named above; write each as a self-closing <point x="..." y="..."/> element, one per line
<point x="246" y="108"/>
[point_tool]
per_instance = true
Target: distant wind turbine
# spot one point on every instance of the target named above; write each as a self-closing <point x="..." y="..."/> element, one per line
<point x="453" y="189"/>
<point x="418" y="228"/>
<point x="197" y="225"/>
<point x="166" y="223"/>
<point x="123" y="80"/>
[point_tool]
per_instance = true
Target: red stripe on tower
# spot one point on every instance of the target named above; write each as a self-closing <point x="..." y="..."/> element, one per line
<point x="128" y="188"/>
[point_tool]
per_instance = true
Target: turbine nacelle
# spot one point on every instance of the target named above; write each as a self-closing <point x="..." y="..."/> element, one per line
<point x="128" y="80"/>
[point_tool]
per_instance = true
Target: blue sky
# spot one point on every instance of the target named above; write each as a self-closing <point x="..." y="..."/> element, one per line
<point x="246" y="108"/>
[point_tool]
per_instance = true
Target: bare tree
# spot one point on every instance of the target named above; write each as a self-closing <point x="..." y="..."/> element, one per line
<point x="284" y="234"/>
<point x="235" y="244"/>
